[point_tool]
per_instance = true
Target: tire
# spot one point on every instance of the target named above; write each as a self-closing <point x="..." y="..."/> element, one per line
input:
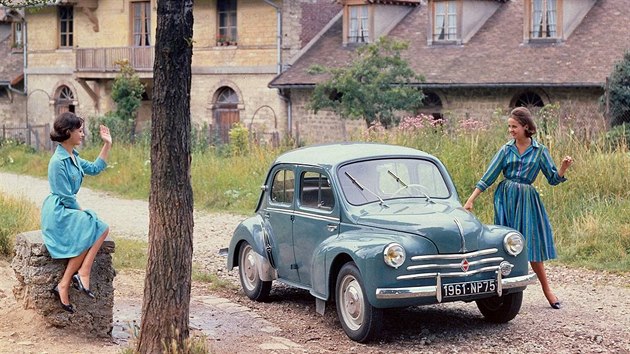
<point x="501" y="309"/>
<point x="255" y="288"/>
<point x="358" y="318"/>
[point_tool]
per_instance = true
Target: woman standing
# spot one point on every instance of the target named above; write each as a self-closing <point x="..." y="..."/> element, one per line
<point x="516" y="202"/>
<point x="68" y="230"/>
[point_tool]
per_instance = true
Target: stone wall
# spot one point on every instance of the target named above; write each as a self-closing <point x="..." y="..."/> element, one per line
<point x="37" y="273"/>
<point x="579" y="107"/>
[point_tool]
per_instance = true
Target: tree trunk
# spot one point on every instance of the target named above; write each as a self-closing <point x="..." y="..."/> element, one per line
<point x="166" y="304"/>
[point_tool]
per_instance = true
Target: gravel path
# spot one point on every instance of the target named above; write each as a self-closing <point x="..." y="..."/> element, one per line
<point x="595" y="317"/>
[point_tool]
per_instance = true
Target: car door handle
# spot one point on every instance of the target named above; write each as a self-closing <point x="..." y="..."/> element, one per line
<point x="332" y="227"/>
<point x="267" y="215"/>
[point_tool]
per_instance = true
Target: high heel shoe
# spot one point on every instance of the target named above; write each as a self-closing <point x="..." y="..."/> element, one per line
<point x="78" y="284"/>
<point x="67" y="307"/>
<point x="557" y="305"/>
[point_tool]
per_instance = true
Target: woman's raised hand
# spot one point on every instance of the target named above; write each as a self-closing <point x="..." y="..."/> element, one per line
<point x="107" y="138"/>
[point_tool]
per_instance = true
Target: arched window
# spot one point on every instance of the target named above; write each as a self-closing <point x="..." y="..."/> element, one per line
<point x="64" y="100"/>
<point x="529" y="100"/>
<point x="432" y="105"/>
<point x="226" y="113"/>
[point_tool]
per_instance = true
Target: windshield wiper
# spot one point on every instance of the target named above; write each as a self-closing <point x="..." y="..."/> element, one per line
<point x="397" y="178"/>
<point x="419" y="187"/>
<point x="362" y="188"/>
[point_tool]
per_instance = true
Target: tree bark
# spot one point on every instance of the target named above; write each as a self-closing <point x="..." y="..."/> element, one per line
<point x="166" y="304"/>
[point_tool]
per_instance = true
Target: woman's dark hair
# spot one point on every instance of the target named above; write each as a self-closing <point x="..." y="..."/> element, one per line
<point x="64" y="124"/>
<point x="524" y="117"/>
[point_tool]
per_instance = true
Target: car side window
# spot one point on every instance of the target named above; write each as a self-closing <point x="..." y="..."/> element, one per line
<point x="282" y="187"/>
<point x="315" y="191"/>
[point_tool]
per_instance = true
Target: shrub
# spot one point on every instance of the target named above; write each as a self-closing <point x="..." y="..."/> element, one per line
<point x="619" y="91"/>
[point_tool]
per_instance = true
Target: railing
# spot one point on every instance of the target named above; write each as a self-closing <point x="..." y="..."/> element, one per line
<point x="104" y="59"/>
<point x="36" y="136"/>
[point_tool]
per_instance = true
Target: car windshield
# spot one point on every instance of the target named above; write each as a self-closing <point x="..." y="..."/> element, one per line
<point x="380" y="180"/>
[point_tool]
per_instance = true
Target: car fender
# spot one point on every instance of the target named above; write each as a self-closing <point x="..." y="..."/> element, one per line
<point x="251" y="230"/>
<point x="365" y="249"/>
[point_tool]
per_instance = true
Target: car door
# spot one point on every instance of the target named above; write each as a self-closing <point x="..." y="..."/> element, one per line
<point x="279" y="215"/>
<point x="316" y="219"/>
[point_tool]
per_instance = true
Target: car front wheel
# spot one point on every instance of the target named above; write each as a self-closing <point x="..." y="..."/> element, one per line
<point x="358" y="318"/>
<point x="254" y="287"/>
<point x="501" y="309"/>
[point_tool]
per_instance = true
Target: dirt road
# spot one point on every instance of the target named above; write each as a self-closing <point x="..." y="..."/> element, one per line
<point x="595" y="317"/>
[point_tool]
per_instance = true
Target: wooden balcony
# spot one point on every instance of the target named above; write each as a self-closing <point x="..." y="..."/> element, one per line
<point x="101" y="62"/>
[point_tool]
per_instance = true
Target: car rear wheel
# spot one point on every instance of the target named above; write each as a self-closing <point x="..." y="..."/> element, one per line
<point x="254" y="287"/>
<point x="501" y="309"/>
<point x="358" y="318"/>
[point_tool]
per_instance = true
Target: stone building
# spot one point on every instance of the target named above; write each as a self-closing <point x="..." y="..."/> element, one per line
<point x="239" y="46"/>
<point x="12" y="95"/>
<point x="477" y="56"/>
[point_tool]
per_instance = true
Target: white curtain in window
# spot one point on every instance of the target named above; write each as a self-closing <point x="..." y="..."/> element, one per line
<point x="537" y="18"/>
<point x="440" y="19"/>
<point x="551" y="18"/>
<point x="354" y="24"/>
<point x="452" y="20"/>
<point x="364" y="34"/>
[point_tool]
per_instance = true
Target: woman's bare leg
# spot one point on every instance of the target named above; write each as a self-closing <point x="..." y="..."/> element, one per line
<point x="539" y="269"/>
<point x="71" y="268"/>
<point x="85" y="268"/>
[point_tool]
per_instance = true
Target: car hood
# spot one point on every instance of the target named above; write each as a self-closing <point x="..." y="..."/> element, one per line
<point x="437" y="222"/>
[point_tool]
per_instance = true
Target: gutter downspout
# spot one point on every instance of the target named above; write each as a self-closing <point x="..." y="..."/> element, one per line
<point x="279" y="34"/>
<point x="279" y="64"/>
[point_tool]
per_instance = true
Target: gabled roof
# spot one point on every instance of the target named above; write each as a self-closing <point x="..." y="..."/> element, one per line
<point x="495" y="56"/>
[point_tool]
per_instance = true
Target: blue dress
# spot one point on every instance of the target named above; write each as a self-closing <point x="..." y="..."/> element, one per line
<point x="516" y="202"/>
<point x="67" y="230"/>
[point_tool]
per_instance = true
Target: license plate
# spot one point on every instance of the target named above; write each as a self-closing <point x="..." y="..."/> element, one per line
<point x="469" y="288"/>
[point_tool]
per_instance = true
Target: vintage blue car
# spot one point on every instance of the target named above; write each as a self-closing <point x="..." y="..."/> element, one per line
<point x="374" y="226"/>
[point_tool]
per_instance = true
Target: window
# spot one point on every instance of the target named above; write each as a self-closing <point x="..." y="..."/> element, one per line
<point x="445" y="21"/>
<point x="283" y="187"/>
<point x="64" y="100"/>
<point x="358" y="24"/>
<point x="544" y="19"/>
<point x="226" y="12"/>
<point x="141" y="22"/>
<point x="315" y="191"/>
<point x="17" y="35"/>
<point x="66" y="19"/>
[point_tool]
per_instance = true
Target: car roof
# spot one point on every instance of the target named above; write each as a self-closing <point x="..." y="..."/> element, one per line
<point x="334" y="154"/>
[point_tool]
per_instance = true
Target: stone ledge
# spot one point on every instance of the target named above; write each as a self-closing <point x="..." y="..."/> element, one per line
<point x="37" y="273"/>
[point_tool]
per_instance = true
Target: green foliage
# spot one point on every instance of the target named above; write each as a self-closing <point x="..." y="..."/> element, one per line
<point x="373" y="87"/>
<point x="23" y="3"/>
<point x="619" y="135"/>
<point x="16" y="216"/>
<point x="239" y="139"/>
<point x="127" y="91"/>
<point x="619" y="91"/>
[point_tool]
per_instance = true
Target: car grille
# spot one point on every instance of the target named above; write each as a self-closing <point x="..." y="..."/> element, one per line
<point x="452" y="265"/>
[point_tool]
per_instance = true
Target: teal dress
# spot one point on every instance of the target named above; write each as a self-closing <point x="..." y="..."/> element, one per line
<point x="516" y="202"/>
<point x="67" y="230"/>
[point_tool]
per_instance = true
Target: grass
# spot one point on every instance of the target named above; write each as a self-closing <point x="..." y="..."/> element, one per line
<point x="16" y="215"/>
<point x="588" y="213"/>
<point x="211" y="279"/>
<point x="130" y="254"/>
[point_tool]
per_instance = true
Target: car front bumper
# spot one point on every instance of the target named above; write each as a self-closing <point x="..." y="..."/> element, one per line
<point x="435" y="291"/>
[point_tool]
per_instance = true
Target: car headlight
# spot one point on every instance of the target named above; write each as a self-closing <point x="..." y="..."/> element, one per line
<point x="513" y="243"/>
<point x="394" y="255"/>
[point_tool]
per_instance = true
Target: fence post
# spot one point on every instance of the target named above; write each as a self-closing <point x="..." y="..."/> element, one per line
<point x="28" y="134"/>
